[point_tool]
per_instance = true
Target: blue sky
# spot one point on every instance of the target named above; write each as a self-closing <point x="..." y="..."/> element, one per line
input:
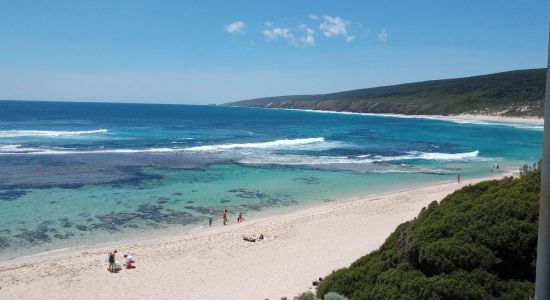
<point x="218" y="51"/>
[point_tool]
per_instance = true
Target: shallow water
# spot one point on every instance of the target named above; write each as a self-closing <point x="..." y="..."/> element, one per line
<point x="75" y="173"/>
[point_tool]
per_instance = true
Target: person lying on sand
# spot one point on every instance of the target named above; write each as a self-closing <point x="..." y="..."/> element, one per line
<point x="253" y="238"/>
<point x="129" y="261"/>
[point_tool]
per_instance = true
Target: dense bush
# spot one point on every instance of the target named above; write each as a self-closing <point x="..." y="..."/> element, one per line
<point x="477" y="243"/>
<point x="514" y="93"/>
<point x="311" y="296"/>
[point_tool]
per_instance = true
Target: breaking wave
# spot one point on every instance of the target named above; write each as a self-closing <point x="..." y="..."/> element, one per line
<point x="431" y="156"/>
<point x="277" y="144"/>
<point x="263" y="145"/>
<point x="48" y="133"/>
<point x="292" y="159"/>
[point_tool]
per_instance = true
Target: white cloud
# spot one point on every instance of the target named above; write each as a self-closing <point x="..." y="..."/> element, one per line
<point x="335" y="26"/>
<point x="383" y="35"/>
<point x="313" y="17"/>
<point x="305" y="39"/>
<point x="236" y="27"/>
<point x="277" y="32"/>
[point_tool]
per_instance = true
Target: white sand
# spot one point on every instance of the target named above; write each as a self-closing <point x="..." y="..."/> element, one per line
<point x="466" y="117"/>
<point x="495" y="118"/>
<point x="217" y="264"/>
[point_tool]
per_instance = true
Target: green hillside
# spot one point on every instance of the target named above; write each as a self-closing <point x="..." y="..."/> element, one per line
<point x="514" y="93"/>
<point x="477" y="243"/>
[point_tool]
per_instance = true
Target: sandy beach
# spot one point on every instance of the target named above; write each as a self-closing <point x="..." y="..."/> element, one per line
<point x="215" y="263"/>
<point x="497" y="118"/>
<point x="529" y="120"/>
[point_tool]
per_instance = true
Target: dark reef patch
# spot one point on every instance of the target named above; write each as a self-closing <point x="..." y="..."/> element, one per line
<point x="203" y="210"/>
<point x="247" y="194"/>
<point x="180" y="217"/>
<point x="81" y="227"/>
<point x="152" y="214"/>
<point x="38" y="235"/>
<point x="34" y="237"/>
<point x="10" y="195"/>
<point x="65" y="222"/>
<point x="4" y="242"/>
<point x="265" y="200"/>
<point x="308" y="180"/>
<point x="254" y="206"/>
<point x="63" y="236"/>
<point x="116" y="218"/>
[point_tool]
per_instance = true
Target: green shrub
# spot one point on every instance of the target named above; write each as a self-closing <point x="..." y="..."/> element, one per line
<point x="477" y="243"/>
<point x="334" y="296"/>
<point x="306" y="296"/>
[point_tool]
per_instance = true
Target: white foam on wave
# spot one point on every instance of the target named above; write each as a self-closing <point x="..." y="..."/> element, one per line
<point x="277" y="144"/>
<point x="48" y="133"/>
<point x="293" y="159"/>
<point x="263" y="145"/>
<point x="18" y="149"/>
<point x="431" y="156"/>
<point x="518" y="125"/>
<point x="301" y="160"/>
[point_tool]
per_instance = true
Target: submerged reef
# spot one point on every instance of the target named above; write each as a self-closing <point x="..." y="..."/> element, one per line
<point x="308" y="180"/>
<point x="10" y="195"/>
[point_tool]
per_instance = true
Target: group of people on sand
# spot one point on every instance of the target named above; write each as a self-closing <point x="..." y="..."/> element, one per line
<point x="224" y="217"/>
<point x="240" y="218"/>
<point x="114" y="265"/>
<point x="253" y="238"/>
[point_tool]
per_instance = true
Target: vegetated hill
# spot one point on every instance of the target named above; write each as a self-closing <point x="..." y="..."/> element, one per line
<point x="514" y="93"/>
<point x="477" y="243"/>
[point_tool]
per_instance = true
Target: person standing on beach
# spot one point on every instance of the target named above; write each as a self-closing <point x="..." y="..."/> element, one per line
<point x="224" y="216"/>
<point x="210" y="221"/>
<point x="458" y="178"/>
<point x="240" y="218"/>
<point x="111" y="261"/>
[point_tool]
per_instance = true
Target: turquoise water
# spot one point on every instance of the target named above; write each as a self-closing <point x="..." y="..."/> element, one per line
<point x="75" y="173"/>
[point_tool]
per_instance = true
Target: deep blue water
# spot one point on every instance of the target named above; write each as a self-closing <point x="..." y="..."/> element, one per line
<point x="77" y="172"/>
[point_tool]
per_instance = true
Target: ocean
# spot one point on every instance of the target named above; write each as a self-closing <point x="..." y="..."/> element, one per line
<point x="82" y="173"/>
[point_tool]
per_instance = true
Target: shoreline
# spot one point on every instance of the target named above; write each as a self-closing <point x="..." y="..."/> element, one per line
<point x="502" y="119"/>
<point x="154" y="234"/>
<point x="190" y="263"/>
<point x="460" y="118"/>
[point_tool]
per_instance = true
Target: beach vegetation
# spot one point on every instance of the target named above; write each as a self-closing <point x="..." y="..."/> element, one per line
<point x="477" y="243"/>
<point x="311" y="296"/>
<point x="306" y="296"/>
<point x="513" y="93"/>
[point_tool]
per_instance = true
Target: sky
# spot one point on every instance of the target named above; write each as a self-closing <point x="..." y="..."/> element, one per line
<point x="204" y="52"/>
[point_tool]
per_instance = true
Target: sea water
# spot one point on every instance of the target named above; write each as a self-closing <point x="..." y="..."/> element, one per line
<point x="79" y="173"/>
